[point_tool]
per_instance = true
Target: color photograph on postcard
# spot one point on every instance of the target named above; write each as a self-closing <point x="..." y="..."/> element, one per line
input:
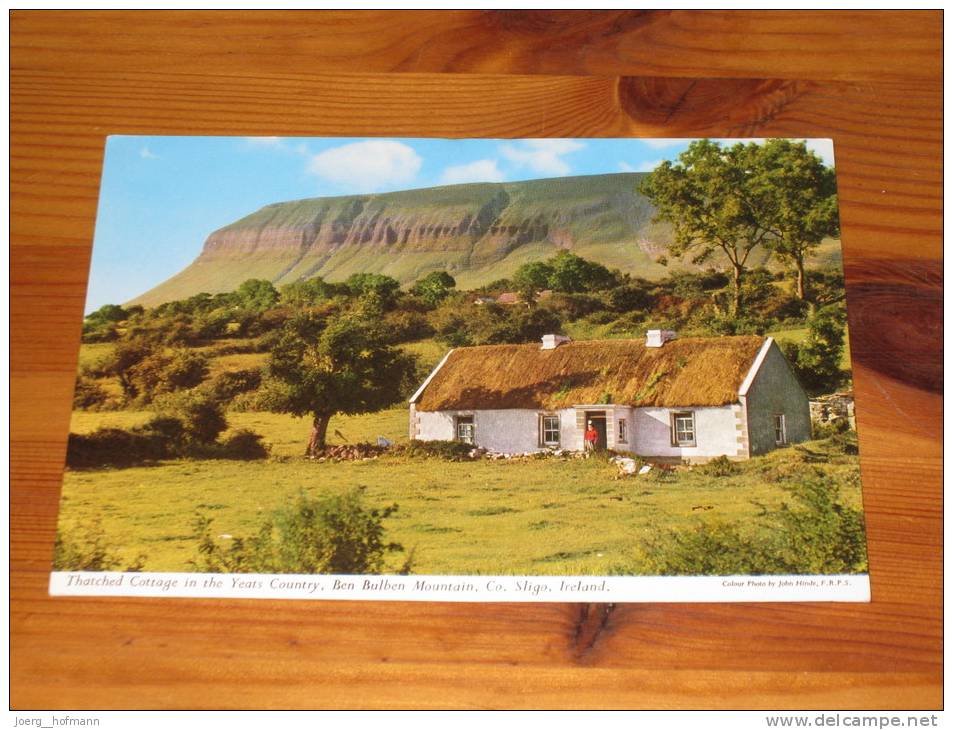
<point x="473" y="369"/>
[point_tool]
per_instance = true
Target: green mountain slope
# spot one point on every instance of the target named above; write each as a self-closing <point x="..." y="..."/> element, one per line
<point x="478" y="232"/>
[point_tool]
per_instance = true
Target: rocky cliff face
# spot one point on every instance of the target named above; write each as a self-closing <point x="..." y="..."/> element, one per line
<point x="478" y="232"/>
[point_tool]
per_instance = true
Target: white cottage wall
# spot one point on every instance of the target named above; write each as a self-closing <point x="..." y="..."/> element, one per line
<point x="716" y="433"/>
<point x="506" y="431"/>
<point x="431" y="425"/>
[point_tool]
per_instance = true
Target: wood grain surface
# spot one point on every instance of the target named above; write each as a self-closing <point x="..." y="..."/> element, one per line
<point x="870" y="80"/>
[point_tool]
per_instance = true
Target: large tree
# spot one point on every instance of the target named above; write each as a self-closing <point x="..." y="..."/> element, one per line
<point x="532" y="278"/>
<point x="257" y="294"/>
<point x="728" y="200"/>
<point x="705" y="196"/>
<point x="574" y="274"/>
<point x="434" y="287"/>
<point x="798" y="195"/>
<point x="320" y="367"/>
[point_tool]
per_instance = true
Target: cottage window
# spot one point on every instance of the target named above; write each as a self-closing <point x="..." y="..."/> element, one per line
<point x="780" y="430"/>
<point x="623" y="431"/>
<point x="683" y="428"/>
<point x="464" y="429"/>
<point x="549" y="430"/>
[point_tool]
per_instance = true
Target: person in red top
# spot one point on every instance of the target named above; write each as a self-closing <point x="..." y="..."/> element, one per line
<point x="590" y="438"/>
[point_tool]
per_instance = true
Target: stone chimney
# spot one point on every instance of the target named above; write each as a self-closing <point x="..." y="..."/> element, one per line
<point x="551" y="342"/>
<point x="657" y="338"/>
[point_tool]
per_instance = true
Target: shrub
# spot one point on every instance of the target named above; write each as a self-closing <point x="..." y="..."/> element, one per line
<point x="707" y="548"/>
<point x="336" y="535"/>
<point x="245" y="402"/>
<point x="817" y="360"/>
<point x="816" y="534"/>
<point x="830" y="428"/>
<point x="200" y="413"/>
<point x="161" y="373"/>
<point x="126" y="355"/>
<point x="86" y="550"/>
<point x="720" y="466"/>
<point x="163" y="437"/>
<point x="844" y="443"/>
<point x="88" y="394"/>
<point x="574" y="306"/>
<point x="244" y="445"/>
<point x="522" y="325"/>
<point x="820" y="535"/>
<point x="113" y="446"/>
<point x="225" y="387"/>
<point x="449" y="450"/>
<point x="725" y="324"/>
<point x="629" y="297"/>
<point x="405" y="326"/>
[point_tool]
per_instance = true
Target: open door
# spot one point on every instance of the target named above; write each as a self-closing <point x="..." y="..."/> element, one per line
<point x="598" y="421"/>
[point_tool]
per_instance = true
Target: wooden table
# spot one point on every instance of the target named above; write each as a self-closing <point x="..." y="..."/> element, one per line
<point x="870" y="80"/>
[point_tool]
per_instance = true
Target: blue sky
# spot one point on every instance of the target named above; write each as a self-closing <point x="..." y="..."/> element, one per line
<point x="161" y="196"/>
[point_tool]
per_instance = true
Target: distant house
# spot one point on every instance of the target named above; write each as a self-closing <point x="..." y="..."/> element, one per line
<point x="672" y="399"/>
<point x="512" y="297"/>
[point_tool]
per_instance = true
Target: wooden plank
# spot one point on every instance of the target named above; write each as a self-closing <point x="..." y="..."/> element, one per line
<point x="803" y="44"/>
<point x="870" y="81"/>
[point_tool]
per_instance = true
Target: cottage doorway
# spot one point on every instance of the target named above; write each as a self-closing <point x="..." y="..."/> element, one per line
<point x="598" y="421"/>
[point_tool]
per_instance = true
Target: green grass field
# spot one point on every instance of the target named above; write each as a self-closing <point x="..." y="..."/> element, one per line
<point x="536" y="517"/>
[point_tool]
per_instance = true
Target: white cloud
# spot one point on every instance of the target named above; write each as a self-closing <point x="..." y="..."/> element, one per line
<point x="646" y="166"/>
<point x="542" y="155"/>
<point x="274" y="142"/>
<point x="367" y="166"/>
<point x="478" y="171"/>
<point x="147" y="154"/>
<point x="662" y="143"/>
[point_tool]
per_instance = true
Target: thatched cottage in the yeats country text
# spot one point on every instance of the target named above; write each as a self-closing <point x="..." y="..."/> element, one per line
<point x="664" y="397"/>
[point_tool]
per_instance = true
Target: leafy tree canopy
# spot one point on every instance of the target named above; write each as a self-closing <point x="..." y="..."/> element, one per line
<point x="108" y="313"/>
<point x="258" y="294"/>
<point x="723" y="202"/>
<point x="307" y="292"/>
<point x="799" y="198"/>
<point x="434" y="287"/>
<point x="320" y="367"/>
<point x="385" y="287"/>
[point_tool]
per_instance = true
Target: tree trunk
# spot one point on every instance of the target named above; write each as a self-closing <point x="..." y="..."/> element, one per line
<point x="801" y="280"/>
<point x="319" y="430"/>
<point x="736" y="291"/>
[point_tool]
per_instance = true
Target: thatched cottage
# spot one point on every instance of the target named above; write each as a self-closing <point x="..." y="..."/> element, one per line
<point x="676" y="399"/>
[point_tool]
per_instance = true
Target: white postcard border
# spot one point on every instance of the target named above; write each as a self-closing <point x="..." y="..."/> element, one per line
<point x="480" y="589"/>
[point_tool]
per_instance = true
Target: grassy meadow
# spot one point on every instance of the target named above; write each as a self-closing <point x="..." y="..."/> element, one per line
<point x="534" y="516"/>
<point x="522" y="517"/>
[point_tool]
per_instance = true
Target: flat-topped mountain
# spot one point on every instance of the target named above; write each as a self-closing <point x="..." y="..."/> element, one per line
<point x="478" y="232"/>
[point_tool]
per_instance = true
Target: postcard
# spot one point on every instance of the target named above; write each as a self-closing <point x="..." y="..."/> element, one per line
<point x="465" y="370"/>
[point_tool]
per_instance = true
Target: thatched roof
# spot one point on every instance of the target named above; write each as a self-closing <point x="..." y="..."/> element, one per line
<point x="701" y="371"/>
